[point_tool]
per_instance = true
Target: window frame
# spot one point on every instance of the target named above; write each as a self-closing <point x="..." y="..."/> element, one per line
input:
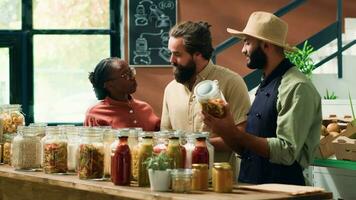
<point x="20" y="43"/>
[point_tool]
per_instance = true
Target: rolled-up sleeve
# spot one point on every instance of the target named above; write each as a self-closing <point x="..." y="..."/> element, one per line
<point x="297" y="107"/>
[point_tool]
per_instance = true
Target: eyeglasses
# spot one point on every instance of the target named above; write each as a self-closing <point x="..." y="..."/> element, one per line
<point x="129" y="74"/>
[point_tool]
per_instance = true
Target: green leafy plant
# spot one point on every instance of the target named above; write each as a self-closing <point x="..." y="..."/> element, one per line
<point x="158" y="162"/>
<point x="302" y="60"/>
<point x="353" y="122"/>
<point x="330" y="96"/>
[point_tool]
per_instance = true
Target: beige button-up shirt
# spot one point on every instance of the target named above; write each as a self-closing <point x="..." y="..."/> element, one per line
<point x="182" y="111"/>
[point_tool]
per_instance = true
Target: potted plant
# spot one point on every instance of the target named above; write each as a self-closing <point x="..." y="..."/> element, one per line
<point x="159" y="172"/>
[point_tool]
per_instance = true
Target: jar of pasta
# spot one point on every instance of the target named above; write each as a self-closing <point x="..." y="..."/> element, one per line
<point x="26" y="149"/>
<point x="91" y="154"/>
<point x="222" y="177"/>
<point x="211" y="98"/>
<point x="7" y="138"/>
<point x="55" y="150"/>
<point x="12" y="117"/>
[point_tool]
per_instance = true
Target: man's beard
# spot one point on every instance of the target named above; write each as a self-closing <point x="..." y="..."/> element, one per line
<point x="183" y="73"/>
<point x="258" y="59"/>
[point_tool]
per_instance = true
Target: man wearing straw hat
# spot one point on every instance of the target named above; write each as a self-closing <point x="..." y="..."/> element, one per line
<point x="283" y="124"/>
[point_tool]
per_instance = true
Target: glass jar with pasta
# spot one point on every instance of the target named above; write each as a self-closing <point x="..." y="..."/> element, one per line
<point x="11" y="117"/>
<point x="210" y="97"/>
<point x="91" y="154"/>
<point x="54" y="151"/>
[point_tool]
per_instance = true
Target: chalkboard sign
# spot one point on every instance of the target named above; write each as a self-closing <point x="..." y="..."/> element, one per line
<point x="149" y="25"/>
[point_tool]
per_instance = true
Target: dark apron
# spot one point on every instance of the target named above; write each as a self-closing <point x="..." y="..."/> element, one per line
<point x="262" y="122"/>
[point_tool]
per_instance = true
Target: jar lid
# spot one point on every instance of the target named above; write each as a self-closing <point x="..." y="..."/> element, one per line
<point x="206" y="89"/>
<point x="222" y="165"/>
<point x="200" y="166"/>
<point x="146" y="134"/>
<point x="181" y="173"/>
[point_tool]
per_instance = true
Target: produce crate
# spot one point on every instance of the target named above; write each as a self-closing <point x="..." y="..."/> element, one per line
<point x="326" y="147"/>
<point x="345" y="145"/>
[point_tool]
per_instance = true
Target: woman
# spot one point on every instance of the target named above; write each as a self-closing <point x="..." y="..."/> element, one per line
<point x="114" y="82"/>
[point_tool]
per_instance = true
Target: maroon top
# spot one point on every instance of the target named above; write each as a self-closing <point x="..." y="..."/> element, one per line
<point x="122" y="114"/>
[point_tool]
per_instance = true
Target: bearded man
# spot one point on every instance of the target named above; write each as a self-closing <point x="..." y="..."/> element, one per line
<point x="283" y="125"/>
<point x="191" y="48"/>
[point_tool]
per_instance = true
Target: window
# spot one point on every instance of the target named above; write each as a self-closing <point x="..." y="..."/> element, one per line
<point x="71" y="14"/>
<point x="4" y="76"/>
<point x="55" y="44"/>
<point x="10" y="17"/>
<point x="62" y="91"/>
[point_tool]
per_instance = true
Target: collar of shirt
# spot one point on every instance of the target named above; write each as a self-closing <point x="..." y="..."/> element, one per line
<point x="119" y="103"/>
<point x="203" y="74"/>
<point x="278" y="71"/>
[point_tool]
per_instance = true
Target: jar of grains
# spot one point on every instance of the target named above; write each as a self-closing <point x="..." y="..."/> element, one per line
<point x="26" y="149"/>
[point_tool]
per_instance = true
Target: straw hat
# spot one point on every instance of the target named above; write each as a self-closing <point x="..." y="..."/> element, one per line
<point x="265" y="26"/>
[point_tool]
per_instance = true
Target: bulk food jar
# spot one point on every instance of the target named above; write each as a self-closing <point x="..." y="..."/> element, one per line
<point x="161" y="141"/>
<point x="211" y="98"/>
<point x="222" y="177"/>
<point x="200" y="154"/>
<point x="40" y="129"/>
<point x="7" y="138"/>
<point x="26" y="149"/>
<point x="211" y="152"/>
<point x="108" y="139"/>
<point x="72" y="133"/>
<point x="91" y="154"/>
<point x="11" y="117"/>
<point x="121" y="160"/>
<point x="175" y="151"/>
<point x="140" y="153"/>
<point x="54" y="151"/>
<point x="181" y="180"/>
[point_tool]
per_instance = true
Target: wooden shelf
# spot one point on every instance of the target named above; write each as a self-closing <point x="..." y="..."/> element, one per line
<point x="41" y="186"/>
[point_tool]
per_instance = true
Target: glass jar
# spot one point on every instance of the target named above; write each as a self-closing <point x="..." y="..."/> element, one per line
<point x="222" y="177"/>
<point x="40" y="129"/>
<point x="7" y="138"/>
<point x="174" y="151"/>
<point x="133" y="136"/>
<point x="210" y="97"/>
<point x="144" y="150"/>
<point x="54" y="151"/>
<point x="161" y="141"/>
<point x="12" y="117"/>
<point x="108" y="139"/>
<point x="72" y="133"/>
<point x="91" y="154"/>
<point x="200" y="154"/>
<point x="200" y="180"/>
<point x="181" y="180"/>
<point x="189" y="147"/>
<point x="26" y="149"/>
<point x="211" y="152"/>
<point x="121" y="160"/>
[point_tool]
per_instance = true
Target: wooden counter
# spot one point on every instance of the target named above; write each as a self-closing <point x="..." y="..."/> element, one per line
<point x="18" y="185"/>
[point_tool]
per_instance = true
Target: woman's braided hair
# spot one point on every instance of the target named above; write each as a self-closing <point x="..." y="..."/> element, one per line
<point x="100" y="75"/>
